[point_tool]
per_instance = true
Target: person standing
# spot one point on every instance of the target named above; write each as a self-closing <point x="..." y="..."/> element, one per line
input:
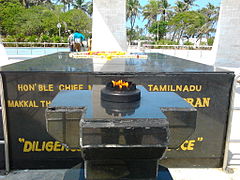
<point x="78" y="38"/>
<point x="90" y="43"/>
<point x="71" y="41"/>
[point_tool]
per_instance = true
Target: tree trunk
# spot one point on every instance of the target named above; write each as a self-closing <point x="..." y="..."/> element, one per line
<point x="174" y="34"/>
<point x="180" y="35"/>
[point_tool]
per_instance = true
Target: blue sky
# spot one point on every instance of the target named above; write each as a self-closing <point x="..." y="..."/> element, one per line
<point x="199" y="3"/>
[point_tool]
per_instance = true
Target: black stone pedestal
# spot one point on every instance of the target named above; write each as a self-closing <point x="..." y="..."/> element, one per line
<point x="124" y="140"/>
<point x="77" y="173"/>
<point x="121" y="169"/>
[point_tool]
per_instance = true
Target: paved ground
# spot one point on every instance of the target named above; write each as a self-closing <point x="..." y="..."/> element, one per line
<point x="177" y="174"/>
<point x="204" y="174"/>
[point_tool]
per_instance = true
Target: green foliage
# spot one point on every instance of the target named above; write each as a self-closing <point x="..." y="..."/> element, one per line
<point x="187" y="23"/>
<point x="185" y="5"/>
<point x="9" y="39"/>
<point x="166" y="42"/>
<point x="210" y="41"/>
<point x="44" y="38"/>
<point x="10" y="12"/>
<point x="14" y="38"/>
<point x="77" y="20"/>
<point x="133" y="11"/>
<point x="90" y="8"/>
<point x="155" y="9"/>
<point x="39" y="23"/>
<point x="180" y="6"/>
<point x="203" y="43"/>
<point x="32" y="38"/>
<point x="19" y="37"/>
<point x="81" y="4"/>
<point x="188" y="43"/>
<point x="151" y="11"/>
<point x="136" y="33"/>
<point x="159" y="29"/>
<point x="56" y="39"/>
<point x="182" y="20"/>
<point x="133" y="34"/>
<point x="36" y="21"/>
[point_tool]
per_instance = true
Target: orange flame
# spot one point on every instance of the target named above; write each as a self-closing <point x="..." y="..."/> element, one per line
<point x="120" y="84"/>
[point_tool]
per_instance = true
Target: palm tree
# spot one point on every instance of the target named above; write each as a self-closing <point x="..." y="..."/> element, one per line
<point x="189" y="3"/>
<point x="65" y="3"/>
<point x="133" y="11"/>
<point x="86" y="7"/>
<point x="151" y="11"/>
<point x="29" y="3"/>
<point x="164" y="12"/>
<point x="211" y="13"/>
<point x="184" y="5"/>
<point x="155" y="8"/>
<point x="25" y="3"/>
<point x="180" y="7"/>
<point x="164" y="7"/>
<point x="90" y="8"/>
<point x="80" y="4"/>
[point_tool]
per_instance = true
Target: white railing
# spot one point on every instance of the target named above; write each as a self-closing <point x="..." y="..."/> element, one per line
<point x="189" y="52"/>
<point x="183" y="47"/>
<point x="202" y="54"/>
<point x="33" y="49"/>
<point x="34" y="44"/>
<point x="148" y="46"/>
<point x="144" y="46"/>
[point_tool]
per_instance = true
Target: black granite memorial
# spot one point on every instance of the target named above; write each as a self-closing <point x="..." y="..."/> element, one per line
<point x="127" y="143"/>
<point x="31" y="85"/>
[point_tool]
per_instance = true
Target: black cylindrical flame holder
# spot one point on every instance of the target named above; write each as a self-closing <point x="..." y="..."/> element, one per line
<point x="122" y="95"/>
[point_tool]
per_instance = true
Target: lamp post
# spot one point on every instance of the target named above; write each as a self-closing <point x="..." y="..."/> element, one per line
<point x="59" y="28"/>
<point x="157" y="30"/>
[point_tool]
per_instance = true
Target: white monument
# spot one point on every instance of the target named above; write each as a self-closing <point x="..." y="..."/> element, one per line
<point x="3" y="55"/>
<point x="226" y="46"/>
<point x="109" y="25"/>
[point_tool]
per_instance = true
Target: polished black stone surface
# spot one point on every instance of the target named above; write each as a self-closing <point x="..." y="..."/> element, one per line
<point x="113" y="140"/>
<point x="156" y="62"/>
<point x="211" y="120"/>
<point x="150" y="104"/>
<point x="108" y="120"/>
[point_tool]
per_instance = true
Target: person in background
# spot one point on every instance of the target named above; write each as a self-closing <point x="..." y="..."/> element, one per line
<point x="90" y="43"/>
<point x="71" y="40"/>
<point x="78" y="38"/>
